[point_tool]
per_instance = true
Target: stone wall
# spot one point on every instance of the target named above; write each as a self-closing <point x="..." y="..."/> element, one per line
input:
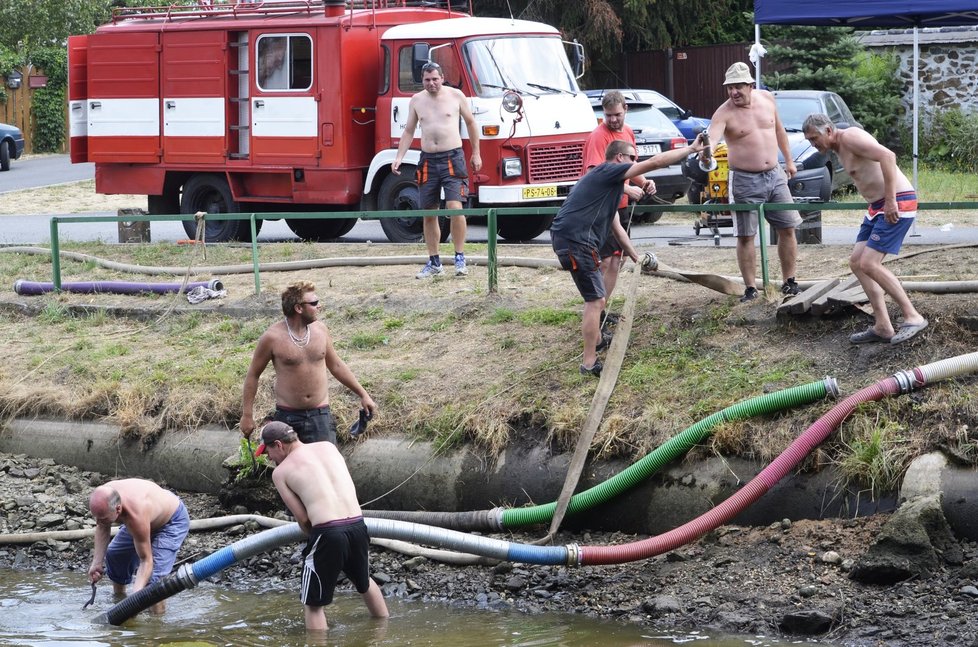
<point x="948" y="73"/>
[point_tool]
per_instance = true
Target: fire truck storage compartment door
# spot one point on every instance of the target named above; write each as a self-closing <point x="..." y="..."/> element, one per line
<point x="195" y="72"/>
<point x="123" y="97"/>
<point x="78" y="98"/>
<point x="285" y="121"/>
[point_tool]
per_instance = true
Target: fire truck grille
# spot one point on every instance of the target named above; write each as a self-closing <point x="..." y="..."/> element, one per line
<point x="555" y="163"/>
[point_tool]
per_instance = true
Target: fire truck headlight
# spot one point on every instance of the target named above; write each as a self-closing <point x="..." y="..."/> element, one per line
<point x="512" y="167"/>
<point x="512" y="102"/>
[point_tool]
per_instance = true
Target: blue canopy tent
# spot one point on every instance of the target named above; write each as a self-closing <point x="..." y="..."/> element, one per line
<point x="867" y="14"/>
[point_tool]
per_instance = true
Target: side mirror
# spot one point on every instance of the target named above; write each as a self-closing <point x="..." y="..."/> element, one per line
<point x="685" y="113"/>
<point x="577" y="58"/>
<point x="420" y="53"/>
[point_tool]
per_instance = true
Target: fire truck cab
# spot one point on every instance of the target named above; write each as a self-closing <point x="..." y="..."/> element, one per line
<point x="298" y="105"/>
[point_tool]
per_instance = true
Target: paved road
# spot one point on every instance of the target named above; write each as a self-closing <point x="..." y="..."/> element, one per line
<point x="45" y="170"/>
<point x="57" y="169"/>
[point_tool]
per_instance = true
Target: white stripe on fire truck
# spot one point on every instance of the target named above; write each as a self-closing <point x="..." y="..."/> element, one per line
<point x="192" y="117"/>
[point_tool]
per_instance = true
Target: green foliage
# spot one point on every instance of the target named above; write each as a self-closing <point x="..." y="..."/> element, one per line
<point x="950" y="141"/>
<point x="248" y="465"/>
<point x="48" y="104"/>
<point x="830" y="58"/>
<point x="608" y="27"/>
<point x="873" y="455"/>
<point x="33" y="24"/>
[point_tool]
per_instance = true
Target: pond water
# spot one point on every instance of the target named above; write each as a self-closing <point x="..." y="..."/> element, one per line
<point x="44" y="609"/>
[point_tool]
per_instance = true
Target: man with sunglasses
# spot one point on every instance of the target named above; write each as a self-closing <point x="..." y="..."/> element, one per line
<point x="438" y="109"/>
<point x="585" y="221"/>
<point x="301" y="351"/>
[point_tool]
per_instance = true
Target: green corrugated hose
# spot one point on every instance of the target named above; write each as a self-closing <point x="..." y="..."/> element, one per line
<point x="672" y="449"/>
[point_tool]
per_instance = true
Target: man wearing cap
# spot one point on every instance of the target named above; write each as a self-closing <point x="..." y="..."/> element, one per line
<point x="301" y="351"/>
<point x="749" y="123"/>
<point x="317" y="488"/>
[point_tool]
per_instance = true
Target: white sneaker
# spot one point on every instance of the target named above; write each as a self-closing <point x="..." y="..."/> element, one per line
<point x="430" y="270"/>
<point x="460" y="269"/>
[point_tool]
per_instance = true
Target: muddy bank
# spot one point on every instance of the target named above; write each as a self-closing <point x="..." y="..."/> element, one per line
<point x="789" y="577"/>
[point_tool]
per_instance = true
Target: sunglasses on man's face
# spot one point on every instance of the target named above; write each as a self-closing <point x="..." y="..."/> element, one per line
<point x="311" y="303"/>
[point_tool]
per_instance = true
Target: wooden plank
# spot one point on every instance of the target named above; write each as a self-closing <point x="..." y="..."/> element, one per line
<point x="801" y="302"/>
<point x="822" y="306"/>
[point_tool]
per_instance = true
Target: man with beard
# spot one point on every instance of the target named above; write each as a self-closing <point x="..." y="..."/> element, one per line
<point x="301" y="350"/>
<point x="614" y="128"/>
<point x="437" y="110"/>
<point x="749" y="123"/>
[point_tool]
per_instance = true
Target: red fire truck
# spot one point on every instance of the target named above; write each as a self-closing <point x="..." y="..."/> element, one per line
<point x="298" y="105"/>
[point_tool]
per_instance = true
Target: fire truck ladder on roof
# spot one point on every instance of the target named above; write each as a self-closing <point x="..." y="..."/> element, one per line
<point x="243" y="8"/>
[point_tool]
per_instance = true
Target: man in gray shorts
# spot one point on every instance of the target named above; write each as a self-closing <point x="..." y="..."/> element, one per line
<point x="749" y="123"/>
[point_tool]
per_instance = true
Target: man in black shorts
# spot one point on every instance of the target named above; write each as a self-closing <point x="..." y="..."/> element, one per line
<point x="438" y="109"/>
<point x="584" y="223"/>
<point x="315" y="485"/>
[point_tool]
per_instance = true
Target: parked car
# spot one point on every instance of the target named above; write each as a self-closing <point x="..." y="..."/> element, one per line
<point x="683" y="118"/>
<point x="793" y="107"/>
<point x="11" y="145"/>
<point x="654" y="133"/>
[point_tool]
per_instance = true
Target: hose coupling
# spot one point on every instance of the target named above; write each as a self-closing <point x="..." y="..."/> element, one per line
<point x="494" y="519"/>
<point x="186" y="577"/>
<point x="649" y="262"/>
<point x="573" y="554"/>
<point x="906" y="381"/>
<point x="831" y="386"/>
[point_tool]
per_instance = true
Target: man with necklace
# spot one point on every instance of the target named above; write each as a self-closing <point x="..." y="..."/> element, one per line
<point x="301" y="351"/>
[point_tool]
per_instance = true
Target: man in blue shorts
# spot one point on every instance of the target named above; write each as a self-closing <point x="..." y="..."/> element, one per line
<point x="316" y="487"/>
<point x="154" y="525"/>
<point x="588" y="217"/>
<point x="892" y="209"/>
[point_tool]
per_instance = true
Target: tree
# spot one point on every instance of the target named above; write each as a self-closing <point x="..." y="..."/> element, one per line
<point x="830" y="58"/>
<point x="607" y="28"/>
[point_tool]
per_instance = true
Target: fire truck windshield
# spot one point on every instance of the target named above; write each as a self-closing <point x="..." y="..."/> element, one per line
<point x="522" y="63"/>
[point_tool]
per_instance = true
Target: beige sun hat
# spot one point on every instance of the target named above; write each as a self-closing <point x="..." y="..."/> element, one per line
<point x="738" y="73"/>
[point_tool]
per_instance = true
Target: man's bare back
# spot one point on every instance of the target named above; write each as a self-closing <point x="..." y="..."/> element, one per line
<point x="318" y="476"/>
<point x="144" y="501"/>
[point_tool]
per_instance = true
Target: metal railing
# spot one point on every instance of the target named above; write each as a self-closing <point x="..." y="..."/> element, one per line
<point x="492" y="216"/>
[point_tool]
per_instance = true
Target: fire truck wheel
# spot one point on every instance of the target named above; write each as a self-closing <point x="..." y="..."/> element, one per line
<point x="400" y="193"/>
<point x="211" y="193"/>
<point x="524" y="227"/>
<point x="4" y="156"/>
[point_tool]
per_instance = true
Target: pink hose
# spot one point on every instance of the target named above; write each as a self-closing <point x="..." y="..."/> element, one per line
<point x="751" y="492"/>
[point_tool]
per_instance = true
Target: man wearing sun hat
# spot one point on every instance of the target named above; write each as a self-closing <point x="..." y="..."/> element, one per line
<point x="748" y="122"/>
<point x="316" y="487"/>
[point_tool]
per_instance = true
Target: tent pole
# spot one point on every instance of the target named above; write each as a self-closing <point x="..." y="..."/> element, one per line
<point x="757" y="63"/>
<point x="916" y="113"/>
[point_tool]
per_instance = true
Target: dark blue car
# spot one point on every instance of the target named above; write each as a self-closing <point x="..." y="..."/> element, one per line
<point x="11" y="145"/>
<point x="684" y="120"/>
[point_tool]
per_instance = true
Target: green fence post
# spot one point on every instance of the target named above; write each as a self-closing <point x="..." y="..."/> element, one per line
<point x="254" y="253"/>
<point x="55" y="256"/>
<point x="491" y="251"/>
<point x="762" y="230"/>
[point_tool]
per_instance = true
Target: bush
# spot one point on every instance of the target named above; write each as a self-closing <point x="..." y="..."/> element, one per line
<point x="950" y="141"/>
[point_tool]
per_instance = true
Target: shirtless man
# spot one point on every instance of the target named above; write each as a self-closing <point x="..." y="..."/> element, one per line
<point x="301" y="351"/>
<point x="892" y="209"/>
<point x="316" y="486"/>
<point x="442" y="165"/>
<point x="154" y="525"/>
<point x="749" y="123"/>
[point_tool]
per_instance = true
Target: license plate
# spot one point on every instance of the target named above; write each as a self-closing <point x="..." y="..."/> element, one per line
<point x="549" y="191"/>
<point x="648" y="150"/>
